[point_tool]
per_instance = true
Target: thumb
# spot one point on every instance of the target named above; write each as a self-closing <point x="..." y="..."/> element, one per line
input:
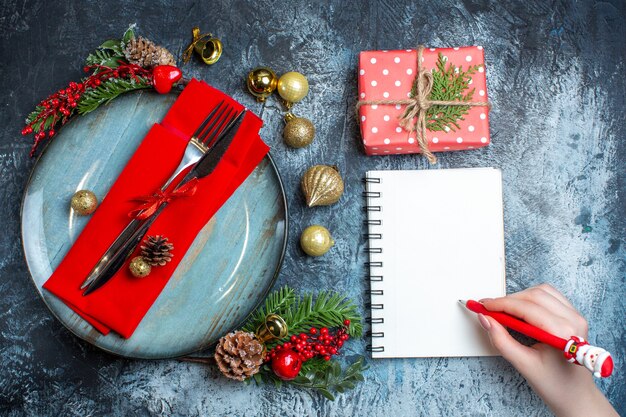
<point x="520" y="356"/>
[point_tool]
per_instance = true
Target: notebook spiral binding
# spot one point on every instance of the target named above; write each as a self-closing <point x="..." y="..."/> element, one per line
<point x="373" y="265"/>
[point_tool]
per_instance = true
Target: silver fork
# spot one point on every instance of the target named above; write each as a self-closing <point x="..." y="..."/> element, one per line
<point x="201" y="141"/>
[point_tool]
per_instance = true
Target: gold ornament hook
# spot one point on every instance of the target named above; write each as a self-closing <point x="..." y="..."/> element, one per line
<point x="205" y="45"/>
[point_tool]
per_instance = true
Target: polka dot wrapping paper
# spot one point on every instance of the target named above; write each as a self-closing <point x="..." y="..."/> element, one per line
<point x="389" y="75"/>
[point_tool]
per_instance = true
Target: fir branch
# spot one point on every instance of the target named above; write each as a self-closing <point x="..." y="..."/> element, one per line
<point x="301" y="313"/>
<point x="317" y="374"/>
<point x="328" y="377"/>
<point x="109" y="90"/>
<point x="328" y="310"/>
<point x="276" y="303"/>
<point x="450" y="83"/>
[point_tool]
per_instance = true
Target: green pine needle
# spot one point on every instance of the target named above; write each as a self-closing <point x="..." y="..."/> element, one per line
<point x="328" y="376"/>
<point x="317" y="374"/>
<point x="449" y="84"/>
<point x="301" y="313"/>
<point x="109" y="90"/>
<point x="106" y="57"/>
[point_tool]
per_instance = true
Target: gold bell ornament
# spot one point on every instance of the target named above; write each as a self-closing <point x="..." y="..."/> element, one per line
<point x="205" y="45"/>
<point x="274" y="327"/>
<point x="322" y="185"/>
<point x="316" y="240"/>
<point x="299" y="131"/>
<point x="292" y="87"/>
<point x="261" y="83"/>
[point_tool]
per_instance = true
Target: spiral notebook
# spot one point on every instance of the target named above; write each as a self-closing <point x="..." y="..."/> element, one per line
<point x="435" y="236"/>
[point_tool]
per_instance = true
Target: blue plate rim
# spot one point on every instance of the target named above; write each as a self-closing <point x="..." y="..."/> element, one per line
<point x="239" y="325"/>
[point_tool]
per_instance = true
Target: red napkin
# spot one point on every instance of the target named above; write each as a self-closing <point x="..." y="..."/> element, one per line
<point x="122" y="303"/>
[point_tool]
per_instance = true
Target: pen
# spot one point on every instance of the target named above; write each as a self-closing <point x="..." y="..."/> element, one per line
<point x="576" y="349"/>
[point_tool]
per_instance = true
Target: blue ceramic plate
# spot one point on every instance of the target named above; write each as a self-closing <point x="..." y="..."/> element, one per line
<point x="228" y="270"/>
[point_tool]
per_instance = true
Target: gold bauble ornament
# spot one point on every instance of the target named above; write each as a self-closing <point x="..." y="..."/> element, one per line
<point x="316" y="240"/>
<point x="139" y="267"/>
<point x="299" y="132"/>
<point x="292" y="87"/>
<point x="84" y="202"/>
<point x="322" y="185"/>
<point x="261" y="82"/>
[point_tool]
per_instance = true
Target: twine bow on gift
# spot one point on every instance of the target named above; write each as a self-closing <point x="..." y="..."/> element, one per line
<point x="414" y="117"/>
<point x="150" y="204"/>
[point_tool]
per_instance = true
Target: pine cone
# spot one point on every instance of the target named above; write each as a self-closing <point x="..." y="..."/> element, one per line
<point x="145" y="53"/>
<point x="157" y="250"/>
<point x="239" y="355"/>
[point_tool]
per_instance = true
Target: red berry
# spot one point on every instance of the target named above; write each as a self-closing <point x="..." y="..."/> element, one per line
<point x="267" y="358"/>
<point x="340" y="343"/>
<point x="324" y="330"/>
<point x="51" y="133"/>
<point x="333" y="351"/>
<point x="27" y="130"/>
<point x="286" y="365"/>
<point x="55" y="102"/>
<point x="326" y="358"/>
<point x="346" y="322"/>
<point x="294" y="338"/>
<point x="313" y="330"/>
<point x="86" y="68"/>
<point x="97" y="82"/>
<point x="326" y="342"/>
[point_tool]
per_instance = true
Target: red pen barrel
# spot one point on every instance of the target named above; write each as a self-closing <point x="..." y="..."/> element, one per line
<point x="518" y="325"/>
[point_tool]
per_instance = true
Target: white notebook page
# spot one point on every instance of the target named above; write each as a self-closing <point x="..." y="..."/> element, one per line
<point x="442" y="239"/>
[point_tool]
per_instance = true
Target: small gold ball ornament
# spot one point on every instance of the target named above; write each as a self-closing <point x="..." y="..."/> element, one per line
<point x="261" y="82"/>
<point x="316" y="240"/>
<point x="84" y="202"/>
<point x="322" y="185"/>
<point x="139" y="267"/>
<point x="292" y="87"/>
<point x="299" y="131"/>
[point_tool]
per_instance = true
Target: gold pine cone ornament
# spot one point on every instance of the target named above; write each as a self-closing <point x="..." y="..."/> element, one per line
<point x="322" y="185"/>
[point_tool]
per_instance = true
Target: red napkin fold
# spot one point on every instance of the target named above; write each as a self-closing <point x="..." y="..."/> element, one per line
<point x="122" y="303"/>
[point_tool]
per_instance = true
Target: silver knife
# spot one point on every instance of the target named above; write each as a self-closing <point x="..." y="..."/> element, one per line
<point x="207" y="164"/>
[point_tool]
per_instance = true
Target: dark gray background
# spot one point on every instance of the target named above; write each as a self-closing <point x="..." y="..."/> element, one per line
<point x="556" y="78"/>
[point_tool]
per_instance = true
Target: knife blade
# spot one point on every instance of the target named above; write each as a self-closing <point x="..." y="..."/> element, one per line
<point x="205" y="166"/>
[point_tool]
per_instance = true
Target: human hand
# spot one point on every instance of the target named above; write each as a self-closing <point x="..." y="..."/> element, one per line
<point x="569" y="390"/>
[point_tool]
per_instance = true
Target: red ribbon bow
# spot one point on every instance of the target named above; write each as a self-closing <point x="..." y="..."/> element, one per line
<point x="153" y="202"/>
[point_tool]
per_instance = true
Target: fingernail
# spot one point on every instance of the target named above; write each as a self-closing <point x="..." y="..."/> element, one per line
<point x="484" y="323"/>
<point x="482" y="300"/>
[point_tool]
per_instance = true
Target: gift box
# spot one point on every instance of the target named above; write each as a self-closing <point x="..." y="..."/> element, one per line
<point x="389" y="76"/>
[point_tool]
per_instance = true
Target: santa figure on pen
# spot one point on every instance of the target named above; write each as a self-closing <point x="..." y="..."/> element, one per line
<point x="596" y="359"/>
